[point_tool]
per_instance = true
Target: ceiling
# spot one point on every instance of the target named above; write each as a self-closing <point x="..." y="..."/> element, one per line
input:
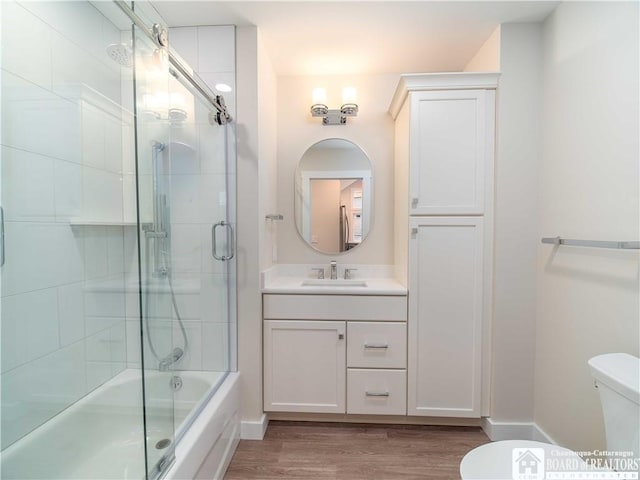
<point x="362" y="37"/>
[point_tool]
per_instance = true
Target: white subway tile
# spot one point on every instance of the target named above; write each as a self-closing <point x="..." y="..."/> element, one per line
<point x="102" y="195"/>
<point x="133" y="344"/>
<point x="75" y="72"/>
<point x="68" y="190"/>
<point x="113" y="144"/>
<point x="185" y="247"/>
<point x="184" y="150"/>
<point x="215" y="347"/>
<point x="212" y="206"/>
<point x="28" y="193"/>
<point x="95" y="249"/>
<point x="115" y="251"/>
<point x="185" y="198"/>
<point x="40" y="311"/>
<point x="98" y="359"/>
<point x="129" y="211"/>
<point x="184" y="40"/>
<point x="117" y="337"/>
<point x="128" y="149"/>
<point x="192" y="359"/>
<point x="93" y="126"/>
<point x="26" y="44"/>
<point x="212" y="149"/>
<point x="214" y="298"/>
<point x="40" y="256"/>
<point x="59" y="379"/>
<point x="38" y="121"/>
<point x="71" y="313"/>
<point x="216" y="49"/>
<point x="131" y="255"/>
<point x="14" y="333"/>
<point x="17" y="414"/>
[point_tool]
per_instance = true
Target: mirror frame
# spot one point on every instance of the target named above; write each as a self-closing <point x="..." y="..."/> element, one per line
<point x="302" y="187"/>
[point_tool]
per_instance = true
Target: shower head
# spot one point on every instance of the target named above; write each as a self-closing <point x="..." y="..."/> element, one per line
<point x="121" y="54"/>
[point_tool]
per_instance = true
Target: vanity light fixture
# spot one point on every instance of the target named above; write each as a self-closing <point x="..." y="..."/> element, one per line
<point x="334" y="116"/>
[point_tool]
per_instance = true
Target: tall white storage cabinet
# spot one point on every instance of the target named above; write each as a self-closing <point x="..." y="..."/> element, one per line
<point x="444" y="152"/>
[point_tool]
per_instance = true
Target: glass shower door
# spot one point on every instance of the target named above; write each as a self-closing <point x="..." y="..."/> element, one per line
<point x="157" y="303"/>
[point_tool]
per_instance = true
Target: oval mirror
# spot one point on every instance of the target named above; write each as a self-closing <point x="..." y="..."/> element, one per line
<point x="333" y="196"/>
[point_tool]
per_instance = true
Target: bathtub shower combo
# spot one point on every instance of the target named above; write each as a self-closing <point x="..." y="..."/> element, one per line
<point x="118" y="266"/>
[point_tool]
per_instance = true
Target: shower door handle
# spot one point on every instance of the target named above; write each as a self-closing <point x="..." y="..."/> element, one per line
<point x="230" y="241"/>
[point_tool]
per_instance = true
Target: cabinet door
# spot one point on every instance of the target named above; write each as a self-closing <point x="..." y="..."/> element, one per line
<point x="304" y="366"/>
<point x="445" y="316"/>
<point x="451" y="138"/>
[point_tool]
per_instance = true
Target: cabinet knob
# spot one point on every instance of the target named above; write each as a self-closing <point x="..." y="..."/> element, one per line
<point x="414" y="202"/>
<point x="340" y="336"/>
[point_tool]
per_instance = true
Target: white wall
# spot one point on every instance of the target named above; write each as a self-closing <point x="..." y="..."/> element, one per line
<point x="587" y="299"/>
<point x="268" y="116"/>
<point x="372" y="130"/>
<point x="487" y="58"/>
<point x="516" y="211"/>
<point x="256" y="173"/>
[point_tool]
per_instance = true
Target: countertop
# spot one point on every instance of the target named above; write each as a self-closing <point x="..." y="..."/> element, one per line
<point x="288" y="279"/>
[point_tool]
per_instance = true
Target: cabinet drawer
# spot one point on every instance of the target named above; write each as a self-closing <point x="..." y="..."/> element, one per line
<point x="381" y="392"/>
<point x="376" y="345"/>
<point x="335" y="307"/>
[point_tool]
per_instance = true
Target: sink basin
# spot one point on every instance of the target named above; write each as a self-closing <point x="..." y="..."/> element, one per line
<point x="326" y="282"/>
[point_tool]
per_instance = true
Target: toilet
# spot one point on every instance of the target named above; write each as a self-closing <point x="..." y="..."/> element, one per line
<point x="617" y="377"/>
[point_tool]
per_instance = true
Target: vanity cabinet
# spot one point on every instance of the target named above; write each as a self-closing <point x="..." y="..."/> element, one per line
<point x="335" y="354"/>
<point x="443" y="214"/>
<point x="305" y="366"/>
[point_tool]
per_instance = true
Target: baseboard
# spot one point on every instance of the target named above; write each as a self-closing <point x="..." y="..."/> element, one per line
<point x="497" y="431"/>
<point x="540" y="435"/>
<point x="254" y="430"/>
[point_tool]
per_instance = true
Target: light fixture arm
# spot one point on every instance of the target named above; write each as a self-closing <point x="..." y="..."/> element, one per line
<point x="333" y="116"/>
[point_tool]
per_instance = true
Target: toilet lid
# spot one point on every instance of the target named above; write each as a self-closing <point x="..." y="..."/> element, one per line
<point x="497" y="460"/>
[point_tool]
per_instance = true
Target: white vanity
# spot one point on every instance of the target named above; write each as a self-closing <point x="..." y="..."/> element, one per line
<point x="334" y="346"/>
<point x="366" y="343"/>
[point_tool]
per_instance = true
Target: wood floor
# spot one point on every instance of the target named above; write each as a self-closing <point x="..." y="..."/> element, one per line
<point x="303" y="450"/>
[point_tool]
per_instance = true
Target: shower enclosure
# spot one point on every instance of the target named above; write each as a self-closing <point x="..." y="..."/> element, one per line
<point x="116" y="242"/>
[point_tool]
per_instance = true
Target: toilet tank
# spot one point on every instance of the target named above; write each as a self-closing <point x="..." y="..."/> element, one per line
<point x="617" y="377"/>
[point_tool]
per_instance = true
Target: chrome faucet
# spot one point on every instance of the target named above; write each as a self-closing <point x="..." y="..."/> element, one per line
<point x="175" y="355"/>
<point x="334" y="270"/>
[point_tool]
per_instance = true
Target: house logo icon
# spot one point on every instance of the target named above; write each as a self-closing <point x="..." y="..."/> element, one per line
<point x="527" y="464"/>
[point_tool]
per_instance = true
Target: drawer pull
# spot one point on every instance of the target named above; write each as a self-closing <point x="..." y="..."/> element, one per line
<point x="376" y="394"/>
<point x="376" y="345"/>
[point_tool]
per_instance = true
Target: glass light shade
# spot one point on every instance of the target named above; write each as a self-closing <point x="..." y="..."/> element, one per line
<point x="319" y="95"/>
<point x="349" y="95"/>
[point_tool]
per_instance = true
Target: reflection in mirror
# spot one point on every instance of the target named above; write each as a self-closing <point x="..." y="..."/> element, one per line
<point x="333" y="196"/>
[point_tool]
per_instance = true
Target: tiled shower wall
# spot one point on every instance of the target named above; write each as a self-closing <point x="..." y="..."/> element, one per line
<point x="65" y="145"/>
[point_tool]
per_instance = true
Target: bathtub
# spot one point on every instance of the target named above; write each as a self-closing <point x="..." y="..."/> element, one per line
<point x="101" y="435"/>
